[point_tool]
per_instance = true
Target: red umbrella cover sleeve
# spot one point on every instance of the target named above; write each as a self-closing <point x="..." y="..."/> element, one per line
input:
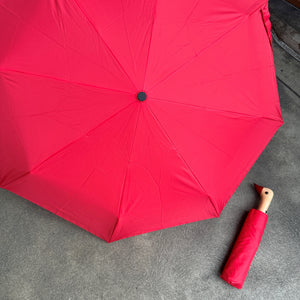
<point x="244" y="249"/>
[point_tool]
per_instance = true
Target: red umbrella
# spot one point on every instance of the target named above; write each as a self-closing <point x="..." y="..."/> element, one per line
<point x="246" y="245"/>
<point x="125" y="117"/>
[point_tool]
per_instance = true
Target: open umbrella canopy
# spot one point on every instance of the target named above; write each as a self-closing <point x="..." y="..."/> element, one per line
<point x="125" y="117"/>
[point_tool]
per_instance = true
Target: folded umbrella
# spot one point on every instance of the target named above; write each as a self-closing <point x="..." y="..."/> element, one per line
<point x="126" y="117"/>
<point x="246" y="245"/>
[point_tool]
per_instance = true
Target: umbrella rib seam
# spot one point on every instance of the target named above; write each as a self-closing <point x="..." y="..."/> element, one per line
<point x="216" y="109"/>
<point x="127" y="36"/>
<point x="184" y="161"/>
<point x="231" y="75"/>
<point x="68" y="145"/>
<point x="63" y="80"/>
<point x="150" y="43"/>
<point x="244" y="18"/>
<point x="108" y="48"/>
<point x="125" y="177"/>
<point x="51" y="38"/>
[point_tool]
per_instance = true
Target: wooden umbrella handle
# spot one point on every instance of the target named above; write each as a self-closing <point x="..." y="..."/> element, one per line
<point x="266" y="196"/>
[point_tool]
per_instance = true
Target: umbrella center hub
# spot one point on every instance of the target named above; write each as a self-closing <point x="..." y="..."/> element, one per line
<point x="141" y="96"/>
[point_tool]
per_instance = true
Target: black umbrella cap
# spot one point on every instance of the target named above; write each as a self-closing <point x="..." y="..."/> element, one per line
<point x="141" y="96"/>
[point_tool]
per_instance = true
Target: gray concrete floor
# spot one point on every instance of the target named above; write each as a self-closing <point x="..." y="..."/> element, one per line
<point x="44" y="257"/>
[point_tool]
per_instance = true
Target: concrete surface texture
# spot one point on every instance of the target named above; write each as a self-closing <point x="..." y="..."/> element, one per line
<point x="45" y="257"/>
<point x="286" y="26"/>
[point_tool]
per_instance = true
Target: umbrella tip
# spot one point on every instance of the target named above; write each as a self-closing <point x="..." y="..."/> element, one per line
<point x="258" y="188"/>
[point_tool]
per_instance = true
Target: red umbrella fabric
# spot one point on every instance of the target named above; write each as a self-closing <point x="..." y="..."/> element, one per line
<point x="125" y="117"/>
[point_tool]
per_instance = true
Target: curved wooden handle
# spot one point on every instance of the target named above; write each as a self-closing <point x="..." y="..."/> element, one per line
<point x="266" y="196"/>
